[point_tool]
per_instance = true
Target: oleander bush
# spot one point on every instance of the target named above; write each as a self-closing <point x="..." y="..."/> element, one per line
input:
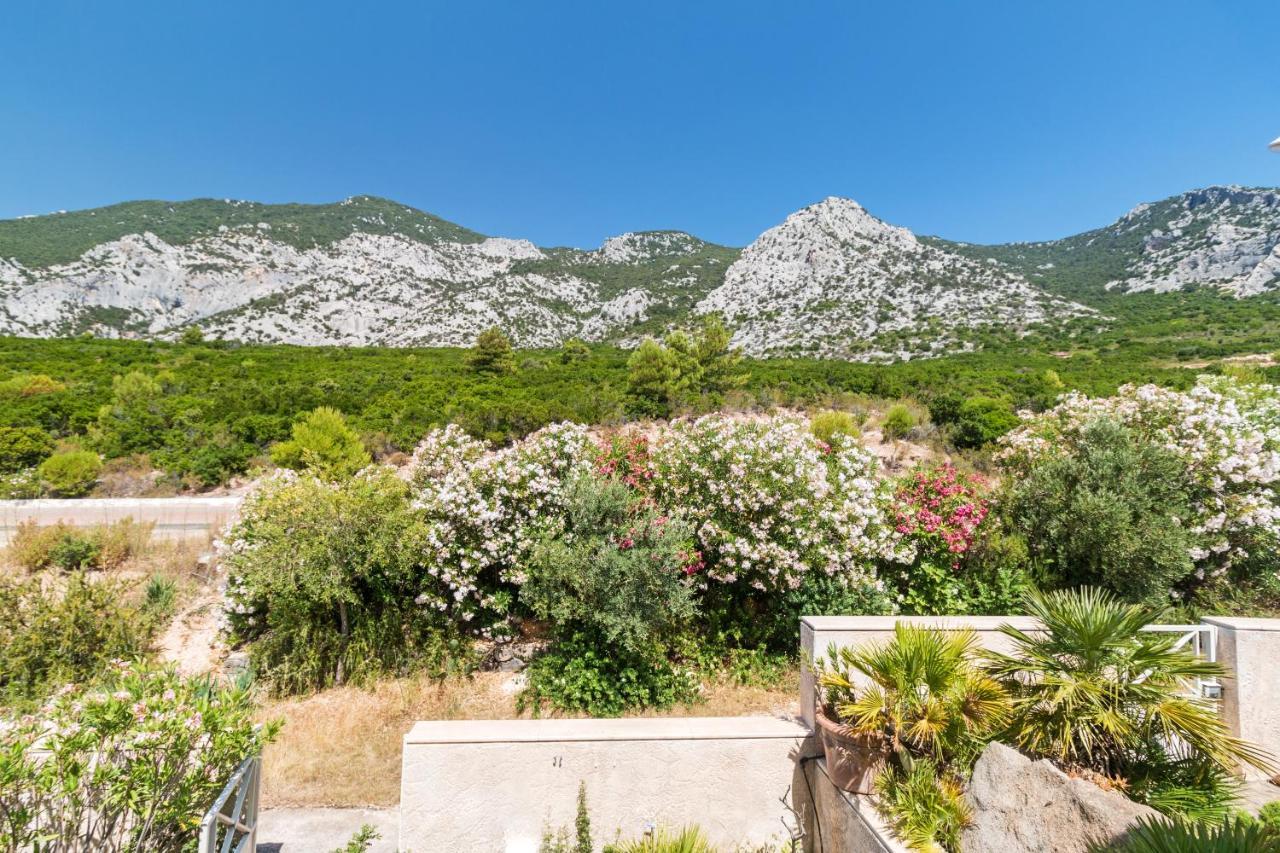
<point x="57" y="633"/>
<point x="129" y="761"/>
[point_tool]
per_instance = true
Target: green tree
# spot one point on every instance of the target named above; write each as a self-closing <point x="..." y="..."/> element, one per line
<point x="492" y="353"/>
<point x="323" y="443"/>
<point x="135" y="421"/>
<point x="23" y="447"/>
<point x="192" y="335"/>
<point x="652" y="379"/>
<point x="574" y="351"/>
<point x="719" y="362"/>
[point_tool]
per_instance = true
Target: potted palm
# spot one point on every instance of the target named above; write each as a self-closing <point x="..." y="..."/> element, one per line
<point x="920" y="694"/>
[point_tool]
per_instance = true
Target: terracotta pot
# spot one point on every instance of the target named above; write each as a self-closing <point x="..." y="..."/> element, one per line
<point x="853" y="760"/>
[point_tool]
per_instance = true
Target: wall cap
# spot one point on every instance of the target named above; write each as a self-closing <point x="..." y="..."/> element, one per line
<point x="593" y="729"/>
<point x="886" y="623"/>
<point x="1243" y="623"/>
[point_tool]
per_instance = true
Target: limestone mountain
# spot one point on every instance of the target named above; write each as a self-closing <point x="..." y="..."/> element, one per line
<point x="362" y="271"/>
<point x="832" y="280"/>
<point x="1223" y="237"/>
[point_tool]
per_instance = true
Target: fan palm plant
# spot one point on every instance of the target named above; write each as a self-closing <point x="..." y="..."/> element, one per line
<point x="1093" y="689"/>
<point x="1151" y="835"/>
<point x="924" y="692"/>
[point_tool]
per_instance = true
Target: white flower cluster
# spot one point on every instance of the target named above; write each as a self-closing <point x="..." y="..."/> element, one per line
<point x="485" y="509"/>
<point x="1227" y="433"/>
<point x="770" y="502"/>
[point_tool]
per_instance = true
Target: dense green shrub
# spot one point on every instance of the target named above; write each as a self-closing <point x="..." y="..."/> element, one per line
<point x="23" y="447"/>
<point x="576" y="674"/>
<point x="129" y="763"/>
<point x="827" y="424"/>
<point x="618" y="571"/>
<point x="981" y="420"/>
<point x="615" y="585"/>
<point x="898" y="422"/>
<point x="61" y="633"/>
<point x="324" y="582"/>
<point x="70" y="474"/>
<point x="1108" y="511"/>
<point x="323" y="443"/>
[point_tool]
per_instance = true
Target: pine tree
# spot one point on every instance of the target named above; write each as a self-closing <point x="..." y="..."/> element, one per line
<point x="492" y="353"/>
<point x="652" y="375"/>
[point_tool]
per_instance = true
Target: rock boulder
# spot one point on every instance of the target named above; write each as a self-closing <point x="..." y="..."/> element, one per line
<point x="1024" y="805"/>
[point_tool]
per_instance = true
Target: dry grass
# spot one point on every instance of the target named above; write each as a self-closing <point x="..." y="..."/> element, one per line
<point x="342" y="747"/>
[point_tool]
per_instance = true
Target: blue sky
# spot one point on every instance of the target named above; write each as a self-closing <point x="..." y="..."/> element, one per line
<point x="567" y="122"/>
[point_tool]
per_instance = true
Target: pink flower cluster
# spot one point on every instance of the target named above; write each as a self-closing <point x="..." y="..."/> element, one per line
<point x="940" y="509"/>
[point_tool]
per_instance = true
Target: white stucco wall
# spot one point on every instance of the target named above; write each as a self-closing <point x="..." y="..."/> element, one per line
<point x="498" y="785"/>
<point x="1249" y="649"/>
<point x="819" y="632"/>
<point x="174" y="518"/>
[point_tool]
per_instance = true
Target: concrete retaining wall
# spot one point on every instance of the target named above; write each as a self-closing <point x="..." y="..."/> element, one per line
<point x="838" y="822"/>
<point x="1249" y="649"/>
<point x="498" y="785"/>
<point x="174" y="518"/>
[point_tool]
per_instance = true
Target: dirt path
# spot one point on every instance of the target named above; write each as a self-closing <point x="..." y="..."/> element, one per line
<point x="191" y="640"/>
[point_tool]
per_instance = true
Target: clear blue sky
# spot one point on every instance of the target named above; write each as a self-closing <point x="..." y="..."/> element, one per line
<point x="567" y="122"/>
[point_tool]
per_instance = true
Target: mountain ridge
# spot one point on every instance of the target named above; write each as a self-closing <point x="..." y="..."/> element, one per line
<point x="829" y="280"/>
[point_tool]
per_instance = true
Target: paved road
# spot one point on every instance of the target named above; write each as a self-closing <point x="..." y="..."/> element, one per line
<point x="174" y="518"/>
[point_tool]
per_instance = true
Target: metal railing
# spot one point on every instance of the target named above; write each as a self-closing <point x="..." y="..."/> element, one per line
<point x="1203" y="642"/>
<point x="231" y="825"/>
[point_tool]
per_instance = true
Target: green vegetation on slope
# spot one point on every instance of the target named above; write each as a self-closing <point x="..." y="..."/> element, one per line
<point x="41" y="241"/>
<point x="212" y="407"/>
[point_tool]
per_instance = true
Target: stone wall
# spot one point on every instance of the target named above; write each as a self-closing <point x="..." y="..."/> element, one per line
<point x="498" y="785"/>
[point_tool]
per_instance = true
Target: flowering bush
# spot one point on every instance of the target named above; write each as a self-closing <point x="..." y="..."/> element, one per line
<point x="938" y="509"/>
<point x="1226" y="434"/>
<point x="485" y="509"/>
<point x="128" y="764"/>
<point x="769" y="502"/>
